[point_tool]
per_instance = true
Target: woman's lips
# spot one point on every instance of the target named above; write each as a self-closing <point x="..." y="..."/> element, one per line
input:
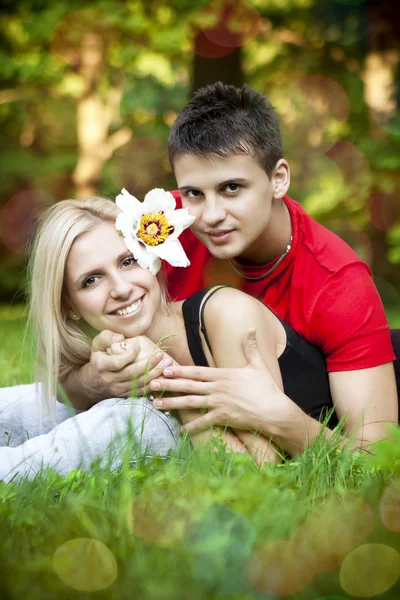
<point x="129" y="311"/>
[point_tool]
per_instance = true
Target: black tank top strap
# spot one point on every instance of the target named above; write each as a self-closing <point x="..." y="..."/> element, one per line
<point x="202" y="324"/>
<point x="193" y="316"/>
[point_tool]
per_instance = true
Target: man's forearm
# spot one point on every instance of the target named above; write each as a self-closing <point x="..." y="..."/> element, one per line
<point x="296" y="431"/>
<point x="79" y="393"/>
<point x="299" y="431"/>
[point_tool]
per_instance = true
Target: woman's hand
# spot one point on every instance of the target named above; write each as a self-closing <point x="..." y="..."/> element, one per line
<point x="114" y="371"/>
<point x="148" y="363"/>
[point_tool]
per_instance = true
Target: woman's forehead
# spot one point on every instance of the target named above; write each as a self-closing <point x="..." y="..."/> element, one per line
<point x="101" y="243"/>
<point x="101" y="235"/>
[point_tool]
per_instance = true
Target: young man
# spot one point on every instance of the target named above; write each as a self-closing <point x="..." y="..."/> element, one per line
<point x="225" y="150"/>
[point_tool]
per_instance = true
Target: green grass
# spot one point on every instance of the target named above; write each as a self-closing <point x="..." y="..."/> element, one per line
<point x="16" y="348"/>
<point x="201" y="525"/>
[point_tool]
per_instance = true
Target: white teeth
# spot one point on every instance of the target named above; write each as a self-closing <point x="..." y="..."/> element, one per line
<point x="130" y="309"/>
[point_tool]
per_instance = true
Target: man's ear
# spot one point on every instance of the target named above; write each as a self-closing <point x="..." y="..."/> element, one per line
<point x="280" y="178"/>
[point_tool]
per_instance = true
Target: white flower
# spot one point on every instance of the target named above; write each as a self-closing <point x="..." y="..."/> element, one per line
<point x="151" y="228"/>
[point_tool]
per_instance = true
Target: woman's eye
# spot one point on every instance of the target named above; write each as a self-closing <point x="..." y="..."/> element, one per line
<point x="90" y="281"/>
<point x="129" y="262"/>
<point x="192" y="194"/>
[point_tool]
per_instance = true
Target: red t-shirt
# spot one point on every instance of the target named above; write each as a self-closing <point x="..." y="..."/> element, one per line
<point x="321" y="289"/>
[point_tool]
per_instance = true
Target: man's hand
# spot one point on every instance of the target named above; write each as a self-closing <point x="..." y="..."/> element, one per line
<point x="241" y="398"/>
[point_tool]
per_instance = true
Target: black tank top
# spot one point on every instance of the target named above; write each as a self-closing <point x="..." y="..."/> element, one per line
<point x="302" y="365"/>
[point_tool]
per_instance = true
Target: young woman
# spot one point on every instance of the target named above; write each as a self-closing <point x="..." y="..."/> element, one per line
<point x="87" y="278"/>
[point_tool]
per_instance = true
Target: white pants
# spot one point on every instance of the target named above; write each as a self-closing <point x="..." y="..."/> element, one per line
<point x="29" y="443"/>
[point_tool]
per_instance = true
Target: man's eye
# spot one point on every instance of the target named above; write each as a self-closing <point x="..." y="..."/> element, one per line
<point x="232" y="187"/>
<point x="90" y="281"/>
<point x="129" y="261"/>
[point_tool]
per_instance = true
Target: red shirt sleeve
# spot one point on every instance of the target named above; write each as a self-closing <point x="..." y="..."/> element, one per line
<point x="348" y="321"/>
<point x="183" y="282"/>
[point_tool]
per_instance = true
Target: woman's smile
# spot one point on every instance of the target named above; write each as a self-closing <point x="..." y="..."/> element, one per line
<point x="129" y="310"/>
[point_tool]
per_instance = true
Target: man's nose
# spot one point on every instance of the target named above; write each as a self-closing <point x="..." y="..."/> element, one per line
<point x="214" y="212"/>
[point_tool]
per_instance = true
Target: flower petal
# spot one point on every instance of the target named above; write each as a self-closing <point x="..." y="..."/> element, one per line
<point x="180" y="219"/>
<point x="122" y="223"/>
<point x="172" y="252"/>
<point x="158" y="199"/>
<point x="155" y="265"/>
<point x="130" y="206"/>
<point x="145" y="259"/>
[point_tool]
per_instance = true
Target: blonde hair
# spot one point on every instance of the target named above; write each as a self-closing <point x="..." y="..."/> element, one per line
<point x="61" y="344"/>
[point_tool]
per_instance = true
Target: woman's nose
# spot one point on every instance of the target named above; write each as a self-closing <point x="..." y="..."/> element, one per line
<point x="121" y="288"/>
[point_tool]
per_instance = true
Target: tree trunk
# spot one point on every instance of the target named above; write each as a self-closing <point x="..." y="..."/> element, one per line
<point x="227" y="69"/>
<point x="217" y="51"/>
<point x="95" y="115"/>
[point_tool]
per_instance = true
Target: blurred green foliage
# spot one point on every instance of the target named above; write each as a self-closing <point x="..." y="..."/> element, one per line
<point x="320" y="61"/>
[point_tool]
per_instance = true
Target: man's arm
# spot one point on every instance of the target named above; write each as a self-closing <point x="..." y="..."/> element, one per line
<point x="245" y="398"/>
<point x="367" y="398"/>
<point x="249" y="398"/>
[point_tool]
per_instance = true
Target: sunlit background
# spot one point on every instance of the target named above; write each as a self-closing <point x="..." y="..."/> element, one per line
<point x="89" y="91"/>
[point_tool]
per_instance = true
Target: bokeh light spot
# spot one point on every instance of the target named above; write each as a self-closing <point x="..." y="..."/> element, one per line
<point x="18" y="215"/>
<point x="206" y="48"/>
<point x="85" y="565"/>
<point x="370" y="570"/>
<point x="326" y="96"/>
<point x="332" y="531"/>
<point x="383" y="210"/>
<point x="390" y="506"/>
<point x="236" y="23"/>
<point x="275" y="569"/>
<point x="313" y="109"/>
<point x="353" y="164"/>
<point x="155" y="518"/>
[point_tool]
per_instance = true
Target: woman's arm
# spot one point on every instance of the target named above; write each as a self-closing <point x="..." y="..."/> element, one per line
<point x="245" y="390"/>
<point x="225" y="332"/>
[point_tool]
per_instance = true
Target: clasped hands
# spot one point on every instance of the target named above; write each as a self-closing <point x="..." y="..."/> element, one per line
<point x="121" y="367"/>
<point x="241" y="398"/>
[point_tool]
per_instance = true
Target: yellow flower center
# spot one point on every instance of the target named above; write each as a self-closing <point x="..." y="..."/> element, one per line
<point x="154" y="228"/>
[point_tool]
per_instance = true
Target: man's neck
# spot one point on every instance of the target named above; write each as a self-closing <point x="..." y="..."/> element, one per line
<point x="273" y="241"/>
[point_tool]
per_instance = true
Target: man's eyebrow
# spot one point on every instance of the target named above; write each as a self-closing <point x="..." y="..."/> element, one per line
<point x="220" y="183"/>
<point x="98" y="269"/>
